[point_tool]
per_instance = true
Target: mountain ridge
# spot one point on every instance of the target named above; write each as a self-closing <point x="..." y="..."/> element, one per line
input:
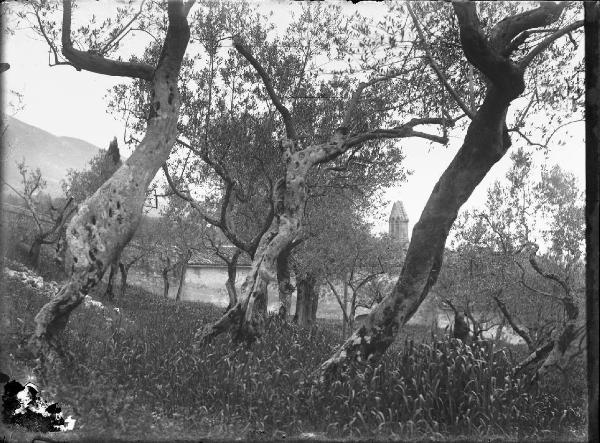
<point x="53" y="154"/>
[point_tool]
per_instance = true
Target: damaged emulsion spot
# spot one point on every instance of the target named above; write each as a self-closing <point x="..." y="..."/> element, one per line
<point x="23" y="406"/>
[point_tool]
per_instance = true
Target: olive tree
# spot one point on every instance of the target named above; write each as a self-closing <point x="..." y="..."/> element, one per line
<point x="106" y="221"/>
<point x="500" y="52"/>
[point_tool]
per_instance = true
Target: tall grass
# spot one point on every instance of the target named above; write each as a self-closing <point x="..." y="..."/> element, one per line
<point x="140" y="369"/>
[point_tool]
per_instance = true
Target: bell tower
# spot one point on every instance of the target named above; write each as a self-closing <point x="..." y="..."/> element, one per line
<point x="398" y="224"/>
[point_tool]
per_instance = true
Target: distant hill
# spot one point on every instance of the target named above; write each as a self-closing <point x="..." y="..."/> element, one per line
<point x="54" y="155"/>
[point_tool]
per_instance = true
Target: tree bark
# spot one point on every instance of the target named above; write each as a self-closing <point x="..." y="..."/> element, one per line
<point x="109" y="293"/>
<point x="485" y="143"/>
<point x="307" y="300"/>
<point x="124" y="273"/>
<point x="107" y="220"/>
<point x="231" y="276"/>
<point x="284" y="284"/>
<point x="34" y="252"/>
<point x="165" y="276"/>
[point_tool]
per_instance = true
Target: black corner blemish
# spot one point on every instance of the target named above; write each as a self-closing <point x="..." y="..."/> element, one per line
<point x="171" y="97"/>
<point x="93" y="219"/>
<point x="110" y="212"/>
<point x="118" y="205"/>
<point x="24" y="411"/>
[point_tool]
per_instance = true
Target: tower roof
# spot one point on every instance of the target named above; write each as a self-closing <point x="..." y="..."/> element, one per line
<point x="398" y="211"/>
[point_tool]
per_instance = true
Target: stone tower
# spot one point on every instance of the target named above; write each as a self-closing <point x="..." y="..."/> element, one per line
<point x="399" y="224"/>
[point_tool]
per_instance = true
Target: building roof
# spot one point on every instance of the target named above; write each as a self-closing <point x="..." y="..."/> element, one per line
<point x="398" y="211"/>
<point x="208" y="257"/>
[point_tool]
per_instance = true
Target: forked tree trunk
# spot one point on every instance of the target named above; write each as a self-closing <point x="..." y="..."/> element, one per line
<point x="107" y="220"/>
<point x="485" y="143"/>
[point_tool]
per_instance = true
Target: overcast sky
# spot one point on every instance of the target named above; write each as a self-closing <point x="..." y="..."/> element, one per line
<point x="66" y="102"/>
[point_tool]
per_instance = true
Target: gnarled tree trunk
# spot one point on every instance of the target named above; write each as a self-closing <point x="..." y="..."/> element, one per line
<point x="107" y="220"/>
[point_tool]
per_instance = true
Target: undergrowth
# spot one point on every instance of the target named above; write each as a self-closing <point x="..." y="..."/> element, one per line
<point x="138" y="373"/>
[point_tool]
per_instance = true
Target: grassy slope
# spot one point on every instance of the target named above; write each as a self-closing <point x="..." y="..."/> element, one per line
<point x="138" y="374"/>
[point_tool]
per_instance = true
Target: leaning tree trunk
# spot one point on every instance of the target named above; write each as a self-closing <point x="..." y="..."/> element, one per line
<point x="107" y="220"/>
<point x="307" y="299"/>
<point x="485" y="143"/>
<point x="246" y="319"/>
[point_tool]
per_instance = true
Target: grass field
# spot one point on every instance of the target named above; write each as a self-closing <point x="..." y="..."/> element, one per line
<point x="136" y="373"/>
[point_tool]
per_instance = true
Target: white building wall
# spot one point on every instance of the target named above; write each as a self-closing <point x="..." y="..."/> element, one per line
<point x="207" y="284"/>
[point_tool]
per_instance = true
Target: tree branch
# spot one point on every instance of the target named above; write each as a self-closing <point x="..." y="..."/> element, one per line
<point x="507" y="29"/>
<point x="403" y="131"/>
<point x="461" y="104"/>
<point x="524" y="62"/>
<point x="285" y="113"/>
<point x="539" y="354"/>
<point x="339" y="300"/>
<point x="95" y="62"/>
<point x="354" y="99"/>
<point x="481" y="54"/>
<point x="531" y="288"/>
<point x="48" y="41"/>
<point x="522" y="331"/>
<point x="548" y="275"/>
<point x="114" y="40"/>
